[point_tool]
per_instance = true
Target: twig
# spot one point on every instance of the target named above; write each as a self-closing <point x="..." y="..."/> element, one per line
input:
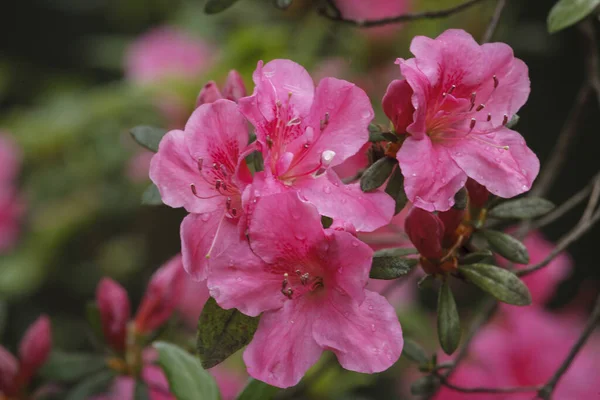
<point x="578" y="231"/>
<point x="499" y="390"/>
<point x="403" y="17"/>
<point x="592" y="202"/>
<point x="489" y="32"/>
<point x="587" y="29"/>
<point x="546" y="391"/>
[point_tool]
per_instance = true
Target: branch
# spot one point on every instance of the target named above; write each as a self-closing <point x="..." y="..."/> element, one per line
<point x="515" y="389"/>
<point x="546" y="391"/>
<point x="489" y="32"/>
<point x="587" y="30"/>
<point x="400" y="18"/>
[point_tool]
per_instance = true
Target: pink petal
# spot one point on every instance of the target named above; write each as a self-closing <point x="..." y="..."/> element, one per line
<point x="366" y="211"/>
<point x="218" y="133"/>
<point x="115" y="310"/>
<point x="397" y="104"/>
<point x="35" y="347"/>
<point x="294" y="228"/>
<point x="209" y="94"/>
<point x="205" y="237"/>
<point x="431" y="177"/>
<point x="365" y="338"/>
<point x="8" y="371"/>
<point x="421" y="92"/>
<point x="351" y="277"/>
<point x="425" y="231"/>
<point x="191" y="302"/>
<point x="173" y="170"/>
<point x="245" y="282"/>
<point x="234" y="88"/>
<point x="505" y="173"/>
<point x="274" y="82"/>
<point x="283" y="348"/>
<point x="345" y="111"/>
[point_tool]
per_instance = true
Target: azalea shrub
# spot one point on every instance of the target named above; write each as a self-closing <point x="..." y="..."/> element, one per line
<point x="361" y="214"/>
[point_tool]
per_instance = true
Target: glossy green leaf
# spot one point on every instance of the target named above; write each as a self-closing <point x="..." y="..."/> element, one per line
<point x="568" y="12"/>
<point x="377" y="174"/>
<point x="217" y="6"/>
<point x="448" y="321"/>
<point x="92" y="385"/>
<point x="414" y="352"/>
<point x="507" y="246"/>
<point x="257" y="390"/>
<point x="499" y="282"/>
<point x="523" y="208"/>
<point x="395" y="188"/>
<point x="71" y="367"/>
<point x="222" y="332"/>
<point x="151" y="196"/>
<point x="391" y="267"/>
<point x="484" y="256"/>
<point x="148" y="136"/>
<point x="187" y="379"/>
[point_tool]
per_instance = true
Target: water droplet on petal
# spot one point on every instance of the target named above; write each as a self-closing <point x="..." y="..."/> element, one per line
<point x="343" y="200"/>
<point x="375" y="350"/>
<point x="291" y="321"/>
<point x="373" y="329"/>
<point x="413" y="174"/>
<point x="444" y="180"/>
<point x="238" y="279"/>
<point x="371" y="307"/>
<point x="299" y="236"/>
<point x="524" y="172"/>
<point x="340" y="270"/>
<point x="327" y="189"/>
<point x="205" y="217"/>
<point x="366" y="114"/>
<point x="296" y="216"/>
<point x="458" y="154"/>
<point x="498" y="160"/>
<point x="231" y="263"/>
<point x="346" y="314"/>
<point x="355" y="243"/>
<point x="524" y="187"/>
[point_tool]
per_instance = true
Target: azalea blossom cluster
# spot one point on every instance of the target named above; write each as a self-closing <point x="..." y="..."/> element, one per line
<point x="254" y="230"/>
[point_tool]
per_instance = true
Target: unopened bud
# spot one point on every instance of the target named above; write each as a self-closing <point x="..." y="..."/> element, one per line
<point x="451" y="220"/>
<point x="234" y="88"/>
<point x="8" y="372"/>
<point x="115" y="312"/>
<point x="425" y="231"/>
<point x="161" y="296"/>
<point x="478" y="194"/>
<point x="34" y="348"/>
<point x="209" y="94"/>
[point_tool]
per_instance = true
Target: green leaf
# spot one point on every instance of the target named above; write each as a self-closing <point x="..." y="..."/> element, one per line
<point x="377" y="174"/>
<point x="395" y="188"/>
<point x="90" y="386"/>
<point x="222" y="332"/>
<point x="391" y="267"/>
<point x="460" y="199"/>
<point x="151" y="196"/>
<point x="513" y="121"/>
<point x="396" y="252"/>
<point x="484" y="256"/>
<point x="283" y="4"/>
<point x="71" y="367"/>
<point x="448" y="321"/>
<point x="507" y="246"/>
<point x="568" y="12"/>
<point x="523" y="208"/>
<point x="217" y="6"/>
<point x="424" y="386"/>
<point x="187" y="379"/>
<point x="500" y="283"/>
<point x="141" y="391"/>
<point x="92" y="314"/>
<point x="257" y="390"/>
<point x="414" y="352"/>
<point x="148" y="136"/>
<point x="375" y="133"/>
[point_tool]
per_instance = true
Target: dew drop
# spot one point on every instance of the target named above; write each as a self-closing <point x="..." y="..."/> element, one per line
<point x="355" y="243"/>
<point x="524" y="187"/>
<point x="340" y="270"/>
<point x="524" y="172"/>
<point x="373" y="329"/>
<point x="375" y="350"/>
<point x="371" y="307"/>
<point x="343" y="200"/>
<point x="231" y="263"/>
<point x="291" y="321"/>
<point x="327" y="189"/>
<point x="366" y="114"/>
<point x="444" y="180"/>
<point x="458" y="154"/>
<point x="414" y="174"/>
<point x="238" y="279"/>
<point x="498" y="160"/>
<point x="205" y="217"/>
<point x="299" y="236"/>
<point x="346" y="314"/>
<point x="296" y="216"/>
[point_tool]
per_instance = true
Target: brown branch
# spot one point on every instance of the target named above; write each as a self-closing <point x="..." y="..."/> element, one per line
<point x="489" y="32"/>
<point x="546" y="391"/>
<point x="401" y="18"/>
<point x="499" y="390"/>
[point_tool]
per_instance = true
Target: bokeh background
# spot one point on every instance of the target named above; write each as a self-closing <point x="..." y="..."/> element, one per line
<point x="76" y="75"/>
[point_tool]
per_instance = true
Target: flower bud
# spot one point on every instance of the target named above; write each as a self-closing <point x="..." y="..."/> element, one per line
<point x="478" y="194"/>
<point x="34" y="348"/>
<point x="451" y="220"/>
<point x="209" y="94"/>
<point x="160" y="299"/>
<point x="8" y="371"/>
<point x="234" y="88"/>
<point x="115" y="311"/>
<point x="425" y="231"/>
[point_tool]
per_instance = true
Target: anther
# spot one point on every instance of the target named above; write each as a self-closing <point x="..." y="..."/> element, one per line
<point x="505" y="119"/>
<point x="278" y="103"/>
<point x="304" y="278"/>
<point x="193" y="187"/>
<point x="473" y="95"/>
<point x="294" y="121"/>
<point x="199" y="164"/>
<point x="215" y="166"/>
<point x="325" y="122"/>
<point x="489" y="117"/>
<point x="298" y="272"/>
<point x="480" y="107"/>
<point x="228" y="203"/>
<point x="306" y="145"/>
<point x="234" y="212"/>
<point x="496" y="82"/>
<point x="472" y="124"/>
<point x="269" y="141"/>
<point x="218" y="184"/>
<point x="451" y="89"/>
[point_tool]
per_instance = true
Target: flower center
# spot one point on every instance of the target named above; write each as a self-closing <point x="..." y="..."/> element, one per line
<point x="219" y="178"/>
<point x="299" y="283"/>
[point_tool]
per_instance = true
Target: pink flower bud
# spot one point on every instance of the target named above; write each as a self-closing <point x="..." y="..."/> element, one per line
<point x="451" y="220"/>
<point x="34" y="348"/>
<point x="478" y="194"/>
<point x="160" y="299"/>
<point x="115" y="311"/>
<point x="209" y="94"/>
<point x="425" y="231"/>
<point x="8" y="371"/>
<point x="234" y="88"/>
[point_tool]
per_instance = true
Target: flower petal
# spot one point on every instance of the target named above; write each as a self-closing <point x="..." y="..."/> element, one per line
<point x="397" y="104"/>
<point x="283" y="348"/>
<point x="366" y="211"/>
<point x="431" y="177"/>
<point x="505" y="173"/>
<point x="366" y="337"/>
<point x="173" y="171"/>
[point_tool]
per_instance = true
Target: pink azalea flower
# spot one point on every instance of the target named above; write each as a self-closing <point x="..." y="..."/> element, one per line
<point x="453" y="104"/>
<point x="524" y="348"/>
<point x="166" y="52"/>
<point x="363" y="10"/>
<point x="304" y="131"/>
<point x="11" y="204"/>
<point x="543" y="283"/>
<point x="309" y="285"/>
<point x="233" y="89"/>
<point x="202" y="169"/>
